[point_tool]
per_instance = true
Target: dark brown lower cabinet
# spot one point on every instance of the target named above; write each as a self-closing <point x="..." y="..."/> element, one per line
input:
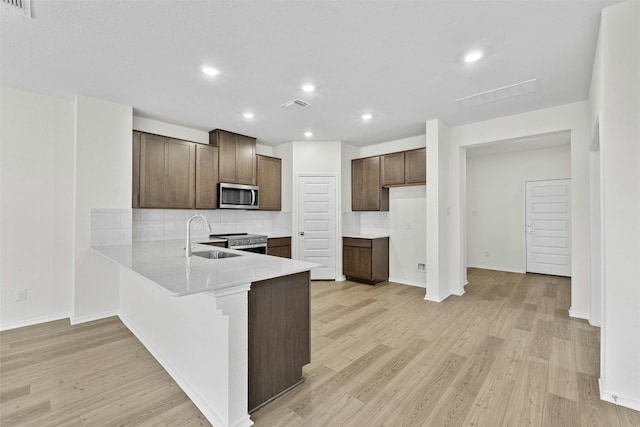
<point x="279" y="246"/>
<point x="279" y="336"/>
<point x="365" y="260"/>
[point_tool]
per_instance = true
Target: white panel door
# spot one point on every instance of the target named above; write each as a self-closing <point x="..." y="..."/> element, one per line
<point x="548" y="227"/>
<point x="317" y="224"/>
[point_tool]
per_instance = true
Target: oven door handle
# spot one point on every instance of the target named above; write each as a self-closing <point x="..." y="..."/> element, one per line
<point x="253" y="197"/>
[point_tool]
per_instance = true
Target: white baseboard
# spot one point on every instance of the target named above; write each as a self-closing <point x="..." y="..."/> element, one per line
<point x="99" y="316"/>
<point x="459" y="293"/>
<point x="341" y="278"/>
<point x="407" y="282"/>
<point x="626" y="401"/>
<point x="493" y="267"/>
<point x="577" y="314"/>
<point x="197" y="400"/>
<point x="435" y="299"/>
<point x="31" y="322"/>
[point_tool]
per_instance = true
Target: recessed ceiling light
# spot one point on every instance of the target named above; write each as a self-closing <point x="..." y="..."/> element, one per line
<point x="308" y="88"/>
<point x="248" y="115"/>
<point x="367" y="116"/>
<point x="210" y="71"/>
<point x="308" y="134"/>
<point x="473" y="56"/>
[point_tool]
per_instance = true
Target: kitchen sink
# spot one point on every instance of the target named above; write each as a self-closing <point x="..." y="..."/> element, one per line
<point x="215" y="254"/>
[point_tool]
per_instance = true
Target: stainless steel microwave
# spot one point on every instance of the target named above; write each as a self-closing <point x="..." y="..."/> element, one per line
<point x="236" y="196"/>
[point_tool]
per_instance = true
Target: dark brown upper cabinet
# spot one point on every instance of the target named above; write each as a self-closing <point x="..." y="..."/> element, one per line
<point x="393" y="169"/>
<point x="236" y="157"/>
<point x="164" y="170"/>
<point x="415" y="166"/>
<point x="367" y="193"/>
<point x="404" y="168"/>
<point x="206" y="177"/>
<point x="269" y="179"/>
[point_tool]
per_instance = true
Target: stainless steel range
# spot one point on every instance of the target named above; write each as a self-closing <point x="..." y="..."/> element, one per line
<point x="244" y="242"/>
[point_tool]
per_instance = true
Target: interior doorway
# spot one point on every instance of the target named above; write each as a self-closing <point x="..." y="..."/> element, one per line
<point x="548" y="227"/>
<point x="317" y="224"/>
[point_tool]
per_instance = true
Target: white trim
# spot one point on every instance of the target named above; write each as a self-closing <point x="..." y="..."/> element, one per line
<point x="494" y="268"/>
<point x="341" y="278"/>
<point x="459" y="293"/>
<point x="625" y="401"/>
<point x="31" y="322"/>
<point x="407" y="282"/>
<point x="77" y="320"/>
<point x="200" y="403"/>
<point x="434" y="299"/>
<point x="578" y="315"/>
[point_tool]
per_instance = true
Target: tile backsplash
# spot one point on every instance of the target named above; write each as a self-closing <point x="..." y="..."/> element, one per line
<point x="365" y="222"/>
<point x="167" y="224"/>
<point x="123" y="226"/>
<point x="111" y="227"/>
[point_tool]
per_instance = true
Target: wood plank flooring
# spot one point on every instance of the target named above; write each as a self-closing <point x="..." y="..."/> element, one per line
<point x="504" y="353"/>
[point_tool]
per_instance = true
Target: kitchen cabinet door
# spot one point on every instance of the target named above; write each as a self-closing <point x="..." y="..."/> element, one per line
<point x="367" y="193"/>
<point x="279" y="246"/>
<point x="245" y="160"/>
<point x="356" y="262"/>
<point x="206" y="177"/>
<point x="393" y="169"/>
<point x="152" y="170"/>
<point x="226" y="143"/>
<point x="415" y="166"/>
<point x="269" y="179"/>
<point x="179" y="188"/>
<point x="237" y="157"/>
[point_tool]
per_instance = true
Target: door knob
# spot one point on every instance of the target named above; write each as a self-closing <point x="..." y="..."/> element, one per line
<point x="302" y="233"/>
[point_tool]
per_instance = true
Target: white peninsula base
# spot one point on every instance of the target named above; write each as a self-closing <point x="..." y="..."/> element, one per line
<point x="201" y="340"/>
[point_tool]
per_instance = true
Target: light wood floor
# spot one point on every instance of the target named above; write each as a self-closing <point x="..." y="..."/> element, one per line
<point x="505" y="353"/>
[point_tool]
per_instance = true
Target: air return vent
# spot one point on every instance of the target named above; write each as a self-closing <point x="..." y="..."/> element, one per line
<point x="522" y="88"/>
<point x="295" y="105"/>
<point x="23" y="7"/>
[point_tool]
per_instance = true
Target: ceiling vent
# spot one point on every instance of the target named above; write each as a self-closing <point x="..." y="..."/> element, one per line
<point x="295" y="105"/>
<point x="522" y="88"/>
<point x="23" y="7"/>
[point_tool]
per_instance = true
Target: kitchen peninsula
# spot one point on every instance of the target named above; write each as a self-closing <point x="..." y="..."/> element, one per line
<point x="199" y="319"/>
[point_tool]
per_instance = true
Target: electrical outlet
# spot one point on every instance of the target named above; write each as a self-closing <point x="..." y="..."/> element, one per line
<point x="21" y="295"/>
<point x="421" y="266"/>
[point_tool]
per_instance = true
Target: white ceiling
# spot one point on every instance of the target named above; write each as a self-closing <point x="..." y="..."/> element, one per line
<point x="400" y="60"/>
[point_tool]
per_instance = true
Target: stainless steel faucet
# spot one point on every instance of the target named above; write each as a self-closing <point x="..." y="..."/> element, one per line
<point x="188" y="246"/>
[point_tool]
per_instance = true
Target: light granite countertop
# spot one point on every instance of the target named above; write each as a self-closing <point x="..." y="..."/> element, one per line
<point x="164" y="263"/>
<point x="365" y="235"/>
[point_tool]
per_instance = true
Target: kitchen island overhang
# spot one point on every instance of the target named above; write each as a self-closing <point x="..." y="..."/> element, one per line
<point x="192" y="316"/>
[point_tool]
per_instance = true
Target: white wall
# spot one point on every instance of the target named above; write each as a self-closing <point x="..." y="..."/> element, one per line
<point x="285" y="152"/>
<point x="407" y="231"/>
<point x="572" y="117"/>
<point x="495" y="203"/>
<point x="615" y="97"/>
<point x="158" y="127"/>
<point x="36" y="209"/>
<point x="103" y="159"/>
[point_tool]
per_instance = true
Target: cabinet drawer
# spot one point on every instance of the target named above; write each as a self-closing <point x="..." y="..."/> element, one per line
<point x="279" y="241"/>
<point x="361" y="243"/>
